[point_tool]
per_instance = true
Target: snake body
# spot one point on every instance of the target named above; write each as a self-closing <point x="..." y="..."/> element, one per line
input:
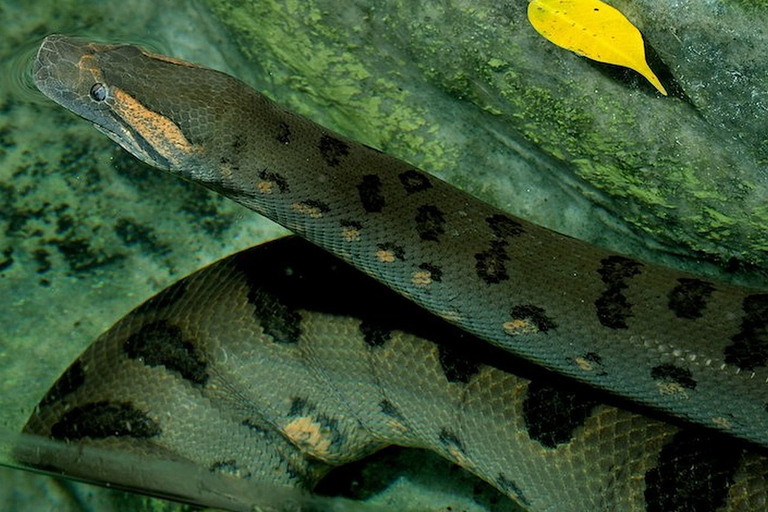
<point x="692" y="348"/>
<point x="247" y="368"/>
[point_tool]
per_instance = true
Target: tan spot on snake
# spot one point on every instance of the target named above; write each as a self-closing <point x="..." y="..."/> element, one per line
<point x="350" y="233"/>
<point x="310" y="435"/>
<point x="421" y="278"/>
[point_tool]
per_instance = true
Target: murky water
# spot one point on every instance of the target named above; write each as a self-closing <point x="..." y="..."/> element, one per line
<point x="57" y="266"/>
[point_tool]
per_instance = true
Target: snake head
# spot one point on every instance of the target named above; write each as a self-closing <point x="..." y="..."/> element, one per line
<point x="157" y="108"/>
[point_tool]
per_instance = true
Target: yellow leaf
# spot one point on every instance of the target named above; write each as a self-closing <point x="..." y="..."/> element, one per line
<point x="593" y="29"/>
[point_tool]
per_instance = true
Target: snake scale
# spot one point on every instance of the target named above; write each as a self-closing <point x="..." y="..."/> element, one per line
<point x="344" y="384"/>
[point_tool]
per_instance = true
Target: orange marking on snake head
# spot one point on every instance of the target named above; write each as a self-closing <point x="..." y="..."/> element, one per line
<point x="88" y="64"/>
<point x="161" y="133"/>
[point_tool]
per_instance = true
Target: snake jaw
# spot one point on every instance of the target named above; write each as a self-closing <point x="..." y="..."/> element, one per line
<point x="135" y="146"/>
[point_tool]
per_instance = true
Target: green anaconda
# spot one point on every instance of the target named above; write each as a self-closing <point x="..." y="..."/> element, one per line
<point x="689" y="347"/>
<point x="248" y="368"/>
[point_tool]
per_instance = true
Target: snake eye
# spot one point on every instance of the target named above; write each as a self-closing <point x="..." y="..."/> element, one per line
<point x="98" y="92"/>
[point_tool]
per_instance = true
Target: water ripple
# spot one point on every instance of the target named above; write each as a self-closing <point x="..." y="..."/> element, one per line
<point x="16" y="75"/>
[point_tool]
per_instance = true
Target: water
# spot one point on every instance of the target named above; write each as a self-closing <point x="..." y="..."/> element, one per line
<point x="88" y="233"/>
<point x="73" y="227"/>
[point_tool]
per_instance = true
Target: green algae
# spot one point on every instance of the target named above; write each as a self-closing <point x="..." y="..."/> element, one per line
<point x="758" y="5"/>
<point x="657" y="172"/>
<point x="320" y="66"/>
<point x="572" y="128"/>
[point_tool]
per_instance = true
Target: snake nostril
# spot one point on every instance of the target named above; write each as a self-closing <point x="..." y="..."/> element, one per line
<point x="98" y="92"/>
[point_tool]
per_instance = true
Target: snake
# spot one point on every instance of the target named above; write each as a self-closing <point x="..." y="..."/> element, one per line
<point x="689" y="352"/>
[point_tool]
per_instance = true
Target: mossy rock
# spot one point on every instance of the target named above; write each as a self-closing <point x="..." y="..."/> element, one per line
<point x="689" y="170"/>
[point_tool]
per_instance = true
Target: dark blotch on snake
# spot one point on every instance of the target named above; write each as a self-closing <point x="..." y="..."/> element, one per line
<point x="162" y="344"/>
<point x="374" y="333"/>
<point x="694" y="472"/>
<point x="352" y="224"/>
<point x="316" y="204"/>
<point x="280" y="321"/>
<point x="491" y="264"/>
<point x="511" y="489"/>
<point x="504" y="227"/>
<point x="100" y="420"/>
<point x="229" y="162"/>
<point x="456" y="366"/>
<point x="689" y="298"/>
<point x="284" y="134"/>
<point x="552" y="414"/>
<point x="534" y="314"/>
<point x="451" y="441"/>
<point x="369" y="190"/>
<point x="613" y="308"/>
<point x="390" y="410"/>
<point x="332" y="150"/>
<point x="275" y="312"/>
<point x="749" y="347"/>
<point x="300" y="407"/>
<point x="238" y="143"/>
<point x="277" y="179"/>
<point x="435" y="272"/>
<point x="413" y="181"/>
<point x="669" y="373"/>
<point x="430" y="222"/>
